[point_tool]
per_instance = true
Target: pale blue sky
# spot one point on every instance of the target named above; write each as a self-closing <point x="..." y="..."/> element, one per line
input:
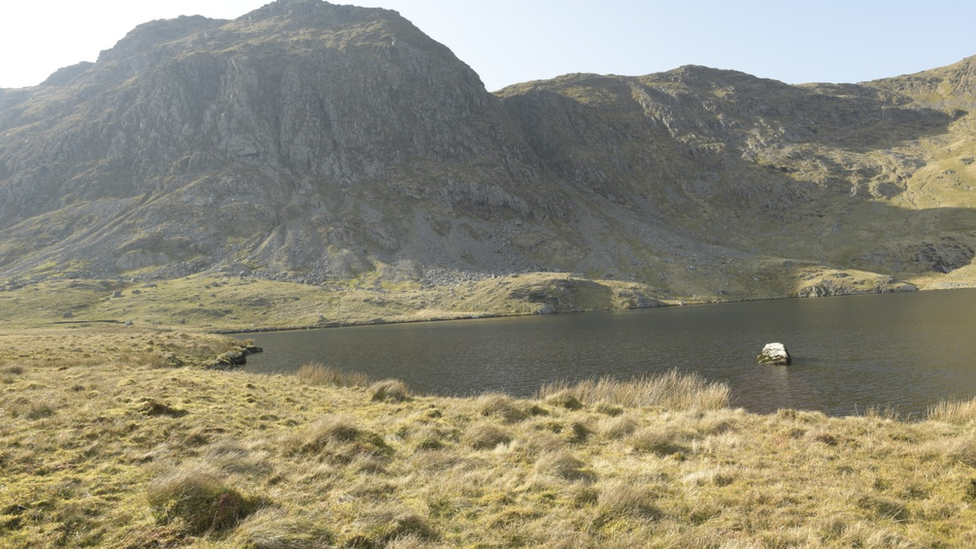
<point x="510" y="41"/>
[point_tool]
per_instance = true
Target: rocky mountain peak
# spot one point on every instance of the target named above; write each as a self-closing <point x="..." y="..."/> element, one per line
<point x="313" y="141"/>
<point x="315" y="12"/>
<point x="698" y="75"/>
<point x="341" y="22"/>
<point x="148" y="36"/>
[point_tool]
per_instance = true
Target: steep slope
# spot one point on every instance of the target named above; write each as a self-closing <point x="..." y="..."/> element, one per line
<point x="298" y="132"/>
<point x="815" y="174"/>
<point x="951" y="87"/>
<point x="313" y="142"/>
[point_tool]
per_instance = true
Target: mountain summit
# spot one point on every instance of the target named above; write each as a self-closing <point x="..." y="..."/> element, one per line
<point x="310" y="141"/>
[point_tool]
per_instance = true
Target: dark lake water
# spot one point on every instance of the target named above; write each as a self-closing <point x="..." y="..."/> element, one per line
<point x="905" y="351"/>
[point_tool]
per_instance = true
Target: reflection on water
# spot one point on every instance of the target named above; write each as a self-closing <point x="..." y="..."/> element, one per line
<point x="906" y="351"/>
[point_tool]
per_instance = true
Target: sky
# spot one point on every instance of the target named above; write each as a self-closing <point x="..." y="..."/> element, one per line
<point x="512" y="41"/>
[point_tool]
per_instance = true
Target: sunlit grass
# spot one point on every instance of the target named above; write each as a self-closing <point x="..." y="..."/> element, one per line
<point x="953" y="411"/>
<point x="314" y="373"/>
<point x="235" y="304"/>
<point x="671" y="390"/>
<point x="114" y="450"/>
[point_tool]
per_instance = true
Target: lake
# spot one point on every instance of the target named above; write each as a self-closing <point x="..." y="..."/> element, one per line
<point x="906" y="351"/>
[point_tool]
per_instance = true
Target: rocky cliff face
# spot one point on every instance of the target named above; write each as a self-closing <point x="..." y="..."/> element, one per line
<point x="311" y="141"/>
<point x="292" y="139"/>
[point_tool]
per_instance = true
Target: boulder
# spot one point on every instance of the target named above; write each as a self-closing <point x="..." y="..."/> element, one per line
<point x="775" y="353"/>
<point x="637" y="300"/>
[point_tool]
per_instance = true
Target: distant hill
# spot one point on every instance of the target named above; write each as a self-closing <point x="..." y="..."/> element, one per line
<point x="313" y="142"/>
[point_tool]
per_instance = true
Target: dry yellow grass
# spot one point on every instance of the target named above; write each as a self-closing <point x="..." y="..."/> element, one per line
<point x="954" y="411"/>
<point x="672" y="390"/>
<point x="314" y="373"/>
<point x="112" y="450"/>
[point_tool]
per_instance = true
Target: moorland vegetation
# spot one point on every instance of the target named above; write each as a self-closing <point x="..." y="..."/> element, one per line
<point x="118" y="437"/>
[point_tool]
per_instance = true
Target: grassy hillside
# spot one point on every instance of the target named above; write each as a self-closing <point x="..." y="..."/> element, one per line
<point x="103" y="445"/>
<point x="245" y="304"/>
<point x="206" y="303"/>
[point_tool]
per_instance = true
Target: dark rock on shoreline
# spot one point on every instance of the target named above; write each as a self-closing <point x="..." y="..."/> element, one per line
<point x="229" y="361"/>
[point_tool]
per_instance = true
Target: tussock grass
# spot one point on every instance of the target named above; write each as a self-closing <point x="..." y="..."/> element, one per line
<point x="156" y="359"/>
<point x="389" y="390"/>
<point x="387" y="523"/>
<point x="953" y="411"/>
<point x="672" y="391"/>
<point x="963" y="449"/>
<point x="564" y="465"/>
<point x="660" y="440"/>
<point x="280" y="528"/>
<point x="429" y="438"/>
<point x="617" y="427"/>
<point x="153" y="407"/>
<point x="322" y="433"/>
<point x="485" y="436"/>
<point x="578" y="432"/>
<point x="314" y="373"/>
<point x="564" y="399"/>
<point x="502" y="406"/>
<point x="198" y="499"/>
<point x="25" y="408"/>
<point x="883" y="507"/>
<point x="628" y="499"/>
<point x="409" y="542"/>
<point x="276" y="462"/>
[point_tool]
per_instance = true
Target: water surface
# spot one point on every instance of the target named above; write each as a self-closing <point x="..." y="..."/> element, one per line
<point x="905" y="351"/>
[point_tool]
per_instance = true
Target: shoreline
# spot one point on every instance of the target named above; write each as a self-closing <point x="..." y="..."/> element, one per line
<point x="124" y="450"/>
<point x="253" y="306"/>
<point x="331" y="325"/>
<point x="477" y="316"/>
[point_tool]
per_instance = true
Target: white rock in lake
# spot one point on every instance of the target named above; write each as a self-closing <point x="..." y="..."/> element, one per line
<point x="775" y="353"/>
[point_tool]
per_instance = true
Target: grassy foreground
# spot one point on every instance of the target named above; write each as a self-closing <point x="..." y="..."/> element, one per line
<point x="106" y="442"/>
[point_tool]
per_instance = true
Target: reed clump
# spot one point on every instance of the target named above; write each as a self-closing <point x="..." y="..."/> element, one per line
<point x="315" y="373"/>
<point x="671" y="391"/>
<point x="953" y="411"/>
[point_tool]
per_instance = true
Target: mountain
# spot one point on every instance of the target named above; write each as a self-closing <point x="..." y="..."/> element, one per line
<point x="312" y="142"/>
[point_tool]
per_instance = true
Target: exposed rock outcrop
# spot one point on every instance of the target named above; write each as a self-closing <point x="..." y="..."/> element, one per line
<point x="776" y="354"/>
<point x="314" y="142"/>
